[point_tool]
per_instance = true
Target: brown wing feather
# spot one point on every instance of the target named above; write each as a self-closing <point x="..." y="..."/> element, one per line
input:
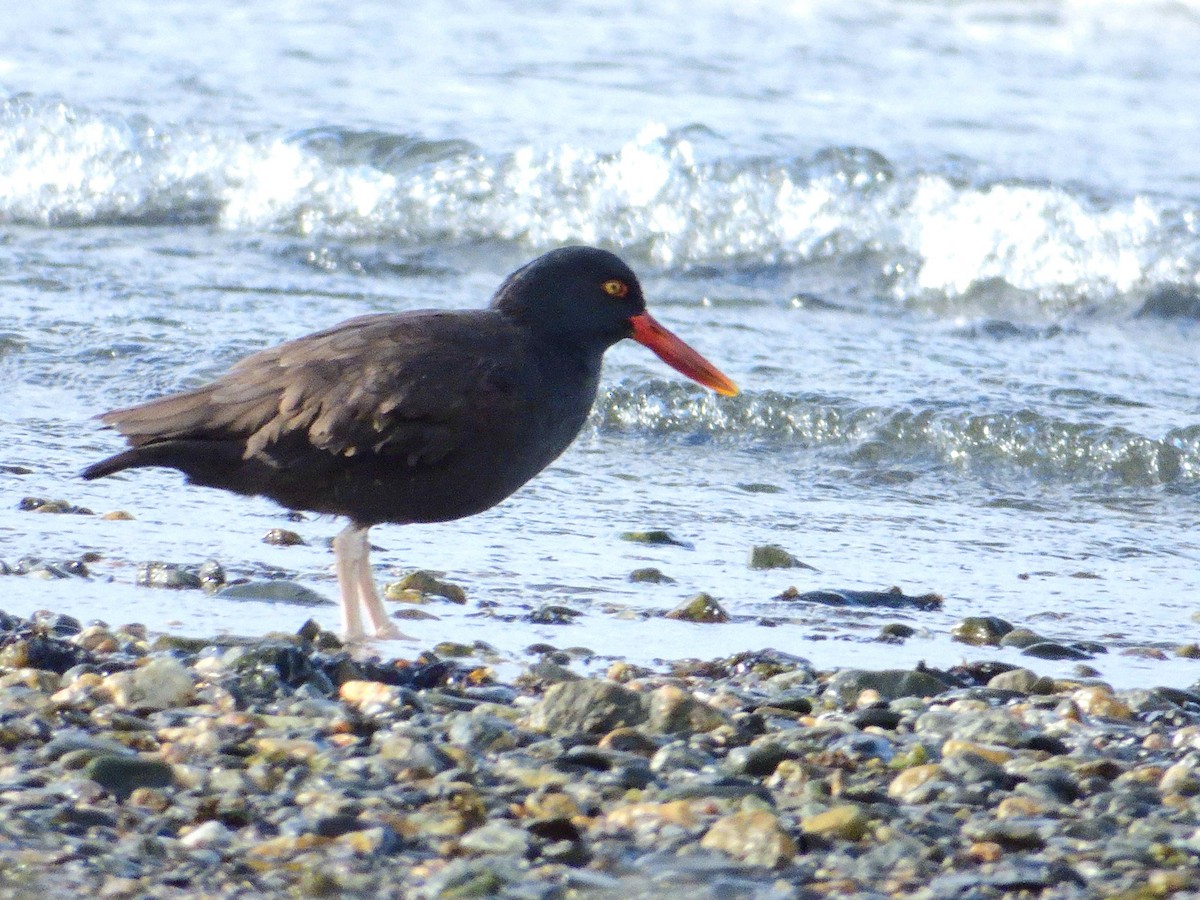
<point x="403" y="384"/>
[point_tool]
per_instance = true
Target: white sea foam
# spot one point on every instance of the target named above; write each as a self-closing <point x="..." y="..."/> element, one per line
<point x="918" y="237"/>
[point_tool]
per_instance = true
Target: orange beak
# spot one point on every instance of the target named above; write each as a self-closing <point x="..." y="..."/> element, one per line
<point x="678" y="355"/>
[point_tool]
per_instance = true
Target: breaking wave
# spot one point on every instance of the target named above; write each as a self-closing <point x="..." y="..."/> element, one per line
<point x="1041" y="446"/>
<point x="677" y="199"/>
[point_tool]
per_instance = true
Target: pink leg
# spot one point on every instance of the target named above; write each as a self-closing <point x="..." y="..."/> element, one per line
<point x="352" y="550"/>
<point x="345" y="547"/>
<point x="385" y="628"/>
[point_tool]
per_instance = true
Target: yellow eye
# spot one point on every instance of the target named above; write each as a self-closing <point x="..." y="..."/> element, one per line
<point x="615" y="288"/>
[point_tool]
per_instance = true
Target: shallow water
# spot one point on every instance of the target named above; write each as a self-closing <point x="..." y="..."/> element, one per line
<point x="917" y="235"/>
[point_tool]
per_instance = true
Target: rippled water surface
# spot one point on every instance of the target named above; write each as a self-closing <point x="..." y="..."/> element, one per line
<point x="949" y="250"/>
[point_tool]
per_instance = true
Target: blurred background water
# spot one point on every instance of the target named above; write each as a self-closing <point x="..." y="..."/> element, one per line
<point x="950" y="251"/>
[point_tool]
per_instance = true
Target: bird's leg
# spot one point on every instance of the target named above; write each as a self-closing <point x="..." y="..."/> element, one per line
<point x="385" y="628"/>
<point x="354" y="545"/>
<point x="346" y="549"/>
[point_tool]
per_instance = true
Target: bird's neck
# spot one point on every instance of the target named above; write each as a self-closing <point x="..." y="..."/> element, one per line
<point x="578" y="362"/>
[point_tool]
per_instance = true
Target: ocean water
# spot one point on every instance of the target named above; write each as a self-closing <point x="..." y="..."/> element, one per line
<point x="949" y="250"/>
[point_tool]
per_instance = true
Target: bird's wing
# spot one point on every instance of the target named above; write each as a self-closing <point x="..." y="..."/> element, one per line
<point x="410" y="385"/>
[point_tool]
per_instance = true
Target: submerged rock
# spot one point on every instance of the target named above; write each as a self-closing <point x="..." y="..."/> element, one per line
<point x="896" y="632"/>
<point x="1055" y="650"/>
<point x="280" y="591"/>
<point x="650" y="575"/>
<point x="759" y="487"/>
<point x="453" y="648"/>
<point x="283" y="537"/>
<point x="890" y="599"/>
<point x="1021" y="637"/>
<point x="397" y="594"/>
<point x="170" y="576"/>
<point x="427" y="584"/>
<point x="772" y="556"/>
<point x="980" y="630"/>
<point x="655" y="537"/>
<point x="211" y="574"/>
<point x="701" y="608"/>
<point x="49" y="570"/>
<point x="42" y="505"/>
<point x="553" y="614"/>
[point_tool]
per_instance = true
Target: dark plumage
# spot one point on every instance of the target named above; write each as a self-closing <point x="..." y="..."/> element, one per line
<point x="421" y="416"/>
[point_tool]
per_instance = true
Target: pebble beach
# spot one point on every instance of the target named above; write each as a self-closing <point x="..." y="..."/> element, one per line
<point x="140" y="766"/>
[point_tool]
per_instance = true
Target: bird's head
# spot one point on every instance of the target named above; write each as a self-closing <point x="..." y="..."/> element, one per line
<point x="589" y="297"/>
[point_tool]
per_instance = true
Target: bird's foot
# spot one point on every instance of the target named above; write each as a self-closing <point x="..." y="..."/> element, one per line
<point x="382" y="631"/>
<point x="386" y="631"/>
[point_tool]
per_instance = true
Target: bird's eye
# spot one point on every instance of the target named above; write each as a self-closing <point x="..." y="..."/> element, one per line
<point x="615" y="288"/>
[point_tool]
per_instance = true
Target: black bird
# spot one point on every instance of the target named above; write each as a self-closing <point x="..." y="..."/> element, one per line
<point x="421" y="416"/>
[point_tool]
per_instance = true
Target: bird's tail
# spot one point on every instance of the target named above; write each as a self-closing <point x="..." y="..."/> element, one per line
<point x="129" y="459"/>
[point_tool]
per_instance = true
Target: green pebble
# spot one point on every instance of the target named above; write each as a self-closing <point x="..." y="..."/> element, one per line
<point x="980" y="630"/>
<point x="122" y="775"/>
<point x="315" y="883"/>
<point x="846" y="822"/>
<point x="1054" y="650"/>
<point x="482" y="884"/>
<point x="428" y="583"/>
<point x="1021" y="638"/>
<point x="180" y="643"/>
<point x="846" y="684"/>
<point x="760" y="487"/>
<point x="772" y="556"/>
<point x="282" y="537"/>
<point x="701" y="608"/>
<point x="452" y="648"/>
<point x="656" y="538"/>
<point x="650" y="575"/>
<point x="276" y="591"/>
